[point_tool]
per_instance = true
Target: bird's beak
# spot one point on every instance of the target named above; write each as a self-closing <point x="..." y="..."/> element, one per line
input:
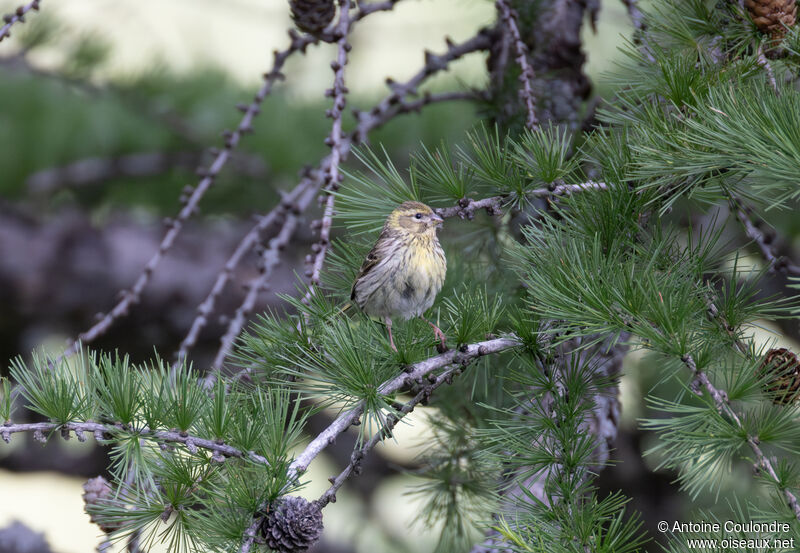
<point x="437" y="220"/>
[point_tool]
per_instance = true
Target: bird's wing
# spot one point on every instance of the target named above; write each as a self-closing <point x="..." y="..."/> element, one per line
<point x="374" y="257"/>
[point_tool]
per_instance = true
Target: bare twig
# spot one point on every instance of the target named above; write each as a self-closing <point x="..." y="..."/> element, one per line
<point x="108" y="431"/>
<point x="526" y="77"/>
<point x="335" y="140"/>
<point x="467" y="207"/>
<point x="387" y="108"/>
<point x="17" y="17"/>
<point x="206" y="308"/>
<point x="723" y="405"/>
<point x="130" y="297"/>
<point x="269" y="259"/>
<point x="764" y="238"/>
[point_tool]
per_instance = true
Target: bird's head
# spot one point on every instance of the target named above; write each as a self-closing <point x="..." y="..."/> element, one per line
<point x="414" y="217"/>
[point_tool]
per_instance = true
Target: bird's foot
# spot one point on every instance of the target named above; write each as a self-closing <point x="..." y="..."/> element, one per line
<point x="388" y="322"/>
<point x="439" y="335"/>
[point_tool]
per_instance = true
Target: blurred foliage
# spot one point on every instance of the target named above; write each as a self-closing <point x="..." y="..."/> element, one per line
<point x="60" y="117"/>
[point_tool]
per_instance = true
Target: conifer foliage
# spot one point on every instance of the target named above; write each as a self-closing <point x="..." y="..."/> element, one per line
<point x="567" y="249"/>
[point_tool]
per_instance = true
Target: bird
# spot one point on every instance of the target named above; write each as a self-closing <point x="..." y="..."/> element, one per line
<point x="404" y="270"/>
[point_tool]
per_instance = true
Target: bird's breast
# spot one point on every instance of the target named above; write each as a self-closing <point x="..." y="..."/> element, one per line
<point x="405" y="283"/>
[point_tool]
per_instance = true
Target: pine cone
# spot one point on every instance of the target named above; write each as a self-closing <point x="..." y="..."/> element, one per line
<point x="772" y="16"/>
<point x="312" y="16"/>
<point x="292" y="525"/>
<point x="781" y="370"/>
<point x="95" y="492"/>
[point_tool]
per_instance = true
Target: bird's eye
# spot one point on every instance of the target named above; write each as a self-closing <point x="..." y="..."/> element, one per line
<point x="418" y="215"/>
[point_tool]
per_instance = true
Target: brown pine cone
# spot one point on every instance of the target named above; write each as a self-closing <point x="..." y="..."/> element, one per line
<point x="772" y="16"/>
<point x="312" y="16"/>
<point x="781" y="372"/>
<point x="292" y="525"/>
<point x="96" y="492"/>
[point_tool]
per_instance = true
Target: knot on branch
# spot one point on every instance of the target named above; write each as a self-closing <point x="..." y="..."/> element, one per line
<point x="293" y="524"/>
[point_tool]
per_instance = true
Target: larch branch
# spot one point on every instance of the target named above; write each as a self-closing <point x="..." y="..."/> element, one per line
<point x="332" y="175"/>
<point x="17" y="17"/>
<point x="467" y="207"/>
<point x="103" y="431"/>
<point x="720" y="399"/>
<point x="385" y="431"/>
<point x="463" y="355"/>
<point x="130" y="297"/>
<point x="509" y="18"/>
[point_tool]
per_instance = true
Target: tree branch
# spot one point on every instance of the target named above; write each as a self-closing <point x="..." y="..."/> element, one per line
<point x="467" y="207"/>
<point x="723" y="405"/>
<point x="130" y="297"/>
<point x="17" y="17"/>
<point x="335" y="139"/>
<point x="764" y="239"/>
<point x="269" y="259"/>
<point x="353" y="467"/>
<point x="101" y="430"/>
<point x="460" y="357"/>
<point x="526" y="77"/>
<point x="290" y="203"/>
<point x="416" y="371"/>
<point x="387" y="108"/>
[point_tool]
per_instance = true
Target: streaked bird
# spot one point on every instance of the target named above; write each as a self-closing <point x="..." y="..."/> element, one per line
<point x="404" y="270"/>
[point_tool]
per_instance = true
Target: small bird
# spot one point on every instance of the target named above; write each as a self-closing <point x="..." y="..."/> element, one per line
<point x="405" y="268"/>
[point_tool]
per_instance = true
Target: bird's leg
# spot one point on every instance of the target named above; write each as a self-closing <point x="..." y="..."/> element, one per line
<point x="388" y="322"/>
<point x="437" y="332"/>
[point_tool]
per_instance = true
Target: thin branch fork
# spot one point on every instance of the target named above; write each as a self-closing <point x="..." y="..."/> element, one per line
<point x="417" y="371"/>
<point x="332" y="175"/>
<point x="723" y="405"/>
<point x="102" y="431"/>
<point x="385" y="431"/>
<point x="388" y="107"/>
<point x="463" y="355"/>
<point x="269" y="260"/>
<point x="248" y="242"/>
<point x="17" y="17"/>
<point x="526" y="77"/>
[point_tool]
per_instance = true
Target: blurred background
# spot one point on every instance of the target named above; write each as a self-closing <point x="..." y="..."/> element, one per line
<point x="106" y="109"/>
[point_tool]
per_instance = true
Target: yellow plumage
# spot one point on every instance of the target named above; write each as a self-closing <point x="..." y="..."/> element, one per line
<point x="405" y="269"/>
